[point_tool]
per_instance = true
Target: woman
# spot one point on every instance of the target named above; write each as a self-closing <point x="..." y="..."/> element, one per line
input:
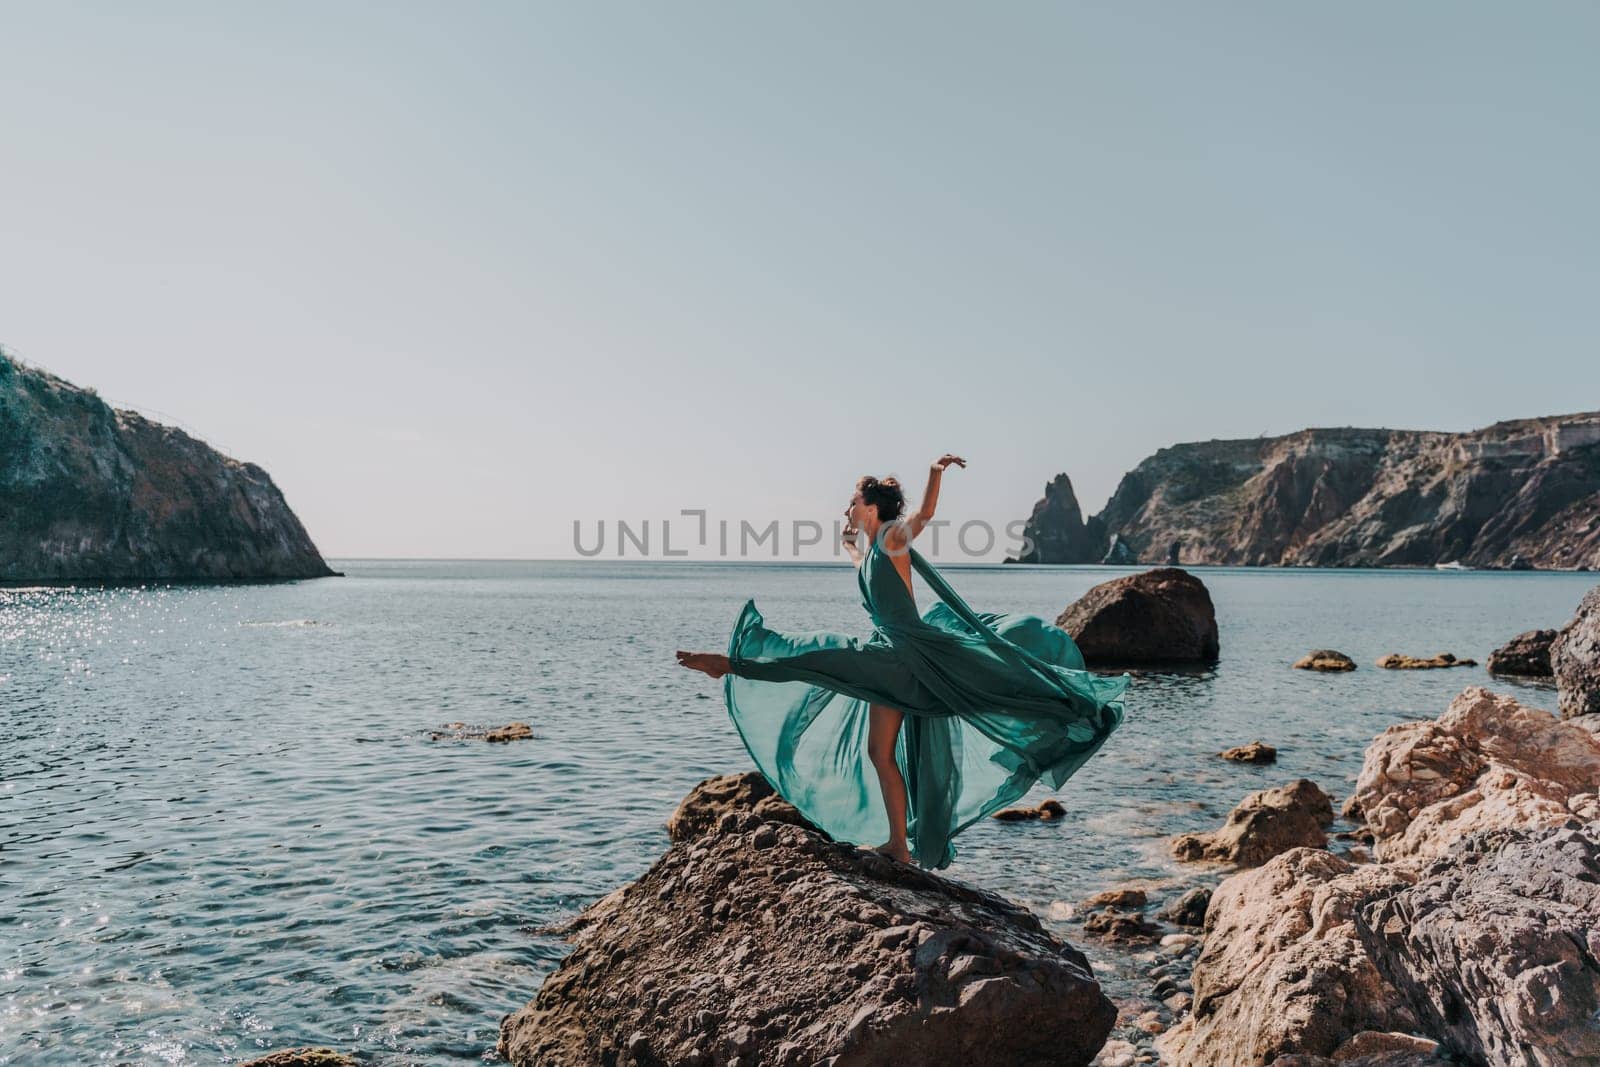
<point x="959" y="713"/>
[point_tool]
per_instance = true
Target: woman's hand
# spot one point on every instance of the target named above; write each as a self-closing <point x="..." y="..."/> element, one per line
<point x="847" y="537"/>
<point x="945" y="460"/>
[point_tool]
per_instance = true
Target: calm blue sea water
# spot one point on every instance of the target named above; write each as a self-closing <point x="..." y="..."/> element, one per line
<point x="224" y="829"/>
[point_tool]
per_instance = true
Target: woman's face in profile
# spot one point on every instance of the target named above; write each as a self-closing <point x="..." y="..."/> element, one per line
<point x="857" y="510"/>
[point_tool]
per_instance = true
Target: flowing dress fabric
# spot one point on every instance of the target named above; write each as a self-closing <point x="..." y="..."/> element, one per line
<point x="993" y="703"/>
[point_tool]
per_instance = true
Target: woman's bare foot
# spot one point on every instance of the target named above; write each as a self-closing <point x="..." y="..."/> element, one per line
<point x="713" y="663"/>
<point x="895" y="851"/>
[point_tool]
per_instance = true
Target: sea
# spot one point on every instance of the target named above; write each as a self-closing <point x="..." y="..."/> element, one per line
<point x="226" y="825"/>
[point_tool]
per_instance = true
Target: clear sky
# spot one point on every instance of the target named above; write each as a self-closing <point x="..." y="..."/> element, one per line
<point x="459" y="274"/>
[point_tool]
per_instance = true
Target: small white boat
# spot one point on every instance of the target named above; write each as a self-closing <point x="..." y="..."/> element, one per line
<point x="1453" y="565"/>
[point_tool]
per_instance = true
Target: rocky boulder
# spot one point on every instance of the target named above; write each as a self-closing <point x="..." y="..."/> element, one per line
<point x="1264" y="824"/>
<point x="1575" y="660"/>
<point x="1487" y="762"/>
<point x="303" y="1057"/>
<point x="1161" y="616"/>
<point x="1258" y="752"/>
<point x="1526" y="655"/>
<point x="1047" y="809"/>
<point x="749" y="791"/>
<point x="1283" y="969"/>
<point x="1496" y="947"/>
<point x="1325" y="659"/>
<point x="1399" y="661"/>
<point x="762" y="942"/>
<point x="1189" y="909"/>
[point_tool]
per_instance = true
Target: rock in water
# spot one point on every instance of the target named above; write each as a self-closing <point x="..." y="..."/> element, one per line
<point x="460" y="731"/>
<point x="1264" y="824"/>
<point x="1283" y="969"/>
<point x="1325" y="659"/>
<point x="1575" y="660"/>
<point x="88" y="493"/>
<point x="1128" y="927"/>
<point x="1257" y="752"/>
<point x="1189" y="909"/>
<point x="1487" y="762"/>
<point x="1160" y="616"/>
<point x="1399" y="661"/>
<point x="303" y="1057"/>
<point x="1526" y="655"/>
<point x="1047" y="809"/>
<point x="764" y="942"/>
<point x="1495" y="948"/>
<point x="749" y="791"/>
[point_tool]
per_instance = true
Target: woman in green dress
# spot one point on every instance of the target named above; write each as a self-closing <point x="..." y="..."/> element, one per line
<point x="959" y="713"/>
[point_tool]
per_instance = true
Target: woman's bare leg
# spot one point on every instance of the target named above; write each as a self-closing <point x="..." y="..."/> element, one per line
<point x="713" y="663"/>
<point x="883" y="730"/>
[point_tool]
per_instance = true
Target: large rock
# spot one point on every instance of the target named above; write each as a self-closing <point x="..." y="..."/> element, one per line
<point x="90" y="493"/>
<point x="1487" y="762"/>
<point x="1526" y="655"/>
<point x="1264" y="824"/>
<point x="1575" y="660"/>
<point x="1160" y="616"/>
<point x="1496" y="948"/>
<point x="762" y="942"/>
<point x="1515" y="494"/>
<point x="1257" y="752"/>
<point x="748" y="791"/>
<point x="1284" y="969"/>
<point x="1325" y="659"/>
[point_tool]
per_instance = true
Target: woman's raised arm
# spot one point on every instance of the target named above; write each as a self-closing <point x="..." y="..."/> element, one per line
<point x="930" y="496"/>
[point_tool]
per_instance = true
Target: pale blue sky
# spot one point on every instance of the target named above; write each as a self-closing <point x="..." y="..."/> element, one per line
<point x="457" y="274"/>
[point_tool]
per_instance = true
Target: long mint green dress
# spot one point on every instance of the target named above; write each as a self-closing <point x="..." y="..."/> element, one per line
<point x="993" y="703"/>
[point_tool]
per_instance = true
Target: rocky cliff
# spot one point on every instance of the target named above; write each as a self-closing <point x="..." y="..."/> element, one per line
<point x="90" y="493"/>
<point x="1521" y="493"/>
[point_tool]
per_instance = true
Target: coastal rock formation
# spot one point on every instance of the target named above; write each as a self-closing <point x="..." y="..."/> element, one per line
<point x="1399" y="661"/>
<point x="1159" y="616"/>
<point x="1257" y="752"/>
<point x="1488" y="762"/>
<point x="749" y="791"/>
<point x="1283" y="969"/>
<point x="1475" y="929"/>
<point x="1575" y="660"/>
<point x="763" y="942"/>
<point x="1518" y="493"/>
<point x="1526" y="655"/>
<point x="90" y="493"/>
<point x="1495" y="948"/>
<point x="1325" y="659"/>
<point x="1264" y="824"/>
<point x="1060" y="528"/>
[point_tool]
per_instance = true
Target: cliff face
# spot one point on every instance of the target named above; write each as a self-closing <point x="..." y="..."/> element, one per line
<point x="91" y="493"/>
<point x="1518" y="493"/>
